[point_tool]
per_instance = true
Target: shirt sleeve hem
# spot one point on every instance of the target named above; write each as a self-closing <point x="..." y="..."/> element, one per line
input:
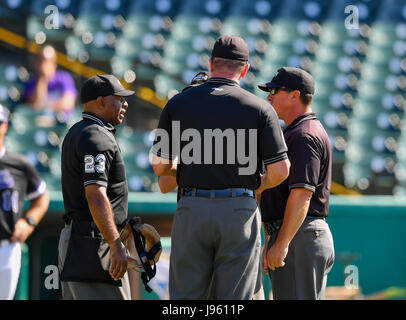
<point x="101" y="183"/>
<point x="303" y="185"/>
<point x="278" y="158"/>
<point x="42" y="187"/>
<point x="162" y="155"/>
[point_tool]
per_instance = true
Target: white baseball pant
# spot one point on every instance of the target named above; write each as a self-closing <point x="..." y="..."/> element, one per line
<point x="10" y="264"/>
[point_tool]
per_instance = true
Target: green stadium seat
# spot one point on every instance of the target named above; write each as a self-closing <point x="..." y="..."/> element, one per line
<point x="142" y="182"/>
<point x="260" y="9"/>
<point x="392" y="11"/>
<point x="309" y="10"/>
<point x="339" y="141"/>
<point x="53" y="182"/>
<point x="98" y="25"/>
<point x="357" y="175"/>
<point x="367" y="10"/>
<point x="76" y="49"/>
<point x="383" y="34"/>
<point x="154" y="7"/>
<point x="379" y="55"/>
<point x="399" y="191"/>
<point x="166" y="85"/>
<point x="120" y="65"/>
<point x="211" y="8"/>
<point x="128" y="48"/>
<point x="67" y="10"/>
<point x="247" y="27"/>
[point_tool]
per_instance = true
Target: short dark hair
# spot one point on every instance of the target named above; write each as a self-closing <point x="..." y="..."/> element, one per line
<point x="229" y="65"/>
<point x="306" y="98"/>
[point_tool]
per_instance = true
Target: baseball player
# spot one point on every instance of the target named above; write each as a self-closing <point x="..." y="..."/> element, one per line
<point x="299" y="249"/>
<point x="19" y="179"/>
<point x="92" y="260"/>
<point x="215" y="248"/>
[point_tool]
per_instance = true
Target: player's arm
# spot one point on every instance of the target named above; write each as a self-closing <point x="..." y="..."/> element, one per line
<point x="102" y="214"/>
<point x="274" y="175"/>
<point x="296" y="210"/>
<point x="273" y="151"/>
<point x="38" y="208"/>
<point x="167" y="184"/>
<point x="39" y="93"/>
<point x="163" y="167"/>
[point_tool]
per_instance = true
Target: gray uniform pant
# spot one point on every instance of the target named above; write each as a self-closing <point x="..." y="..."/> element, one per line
<point x="72" y="290"/>
<point x="310" y="258"/>
<point x="215" y="249"/>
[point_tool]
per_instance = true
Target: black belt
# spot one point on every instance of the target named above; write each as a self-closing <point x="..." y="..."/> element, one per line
<point x="218" y="193"/>
<point x="85" y="227"/>
<point x="272" y="226"/>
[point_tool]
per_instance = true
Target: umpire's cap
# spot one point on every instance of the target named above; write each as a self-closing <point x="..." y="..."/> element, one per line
<point x="230" y="47"/>
<point x="102" y="86"/>
<point x="291" y="78"/>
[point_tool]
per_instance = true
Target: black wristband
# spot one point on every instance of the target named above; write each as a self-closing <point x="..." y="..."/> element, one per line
<point x="30" y="221"/>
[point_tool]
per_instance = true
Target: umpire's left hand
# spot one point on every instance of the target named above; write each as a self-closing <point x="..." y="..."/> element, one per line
<point x="118" y="259"/>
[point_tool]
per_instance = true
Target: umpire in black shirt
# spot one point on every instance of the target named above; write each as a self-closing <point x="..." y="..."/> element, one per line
<point x="211" y="128"/>
<point x="92" y="261"/>
<point x="299" y="246"/>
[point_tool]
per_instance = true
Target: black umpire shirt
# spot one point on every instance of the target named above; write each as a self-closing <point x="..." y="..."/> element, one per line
<point x="91" y="155"/>
<point x="217" y="124"/>
<point x="19" y="179"/>
<point x="310" y="155"/>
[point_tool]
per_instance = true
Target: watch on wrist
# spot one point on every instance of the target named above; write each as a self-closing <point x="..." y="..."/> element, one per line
<point x="30" y="221"/>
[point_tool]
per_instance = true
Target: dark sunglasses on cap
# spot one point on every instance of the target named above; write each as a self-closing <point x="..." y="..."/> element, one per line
<point x="276" y="90"/>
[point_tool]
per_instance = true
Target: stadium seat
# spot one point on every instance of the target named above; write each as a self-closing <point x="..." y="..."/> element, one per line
<point x="211" y="8"/>
<point x="357" y="175"/>
<point x="166" y="85"/>
<point x="304" y="10"/>
<point x="142" y="182"/>
<point x="367" y="10"/>
<point x="338" y="141"/>
<point x="12" y="83"/>
<point x="98" y="26"/>
<point x="144" y="36"/>
<point x="53" y="183"/>
<point x="261" y="9"/>
<point x="392" y="11"/>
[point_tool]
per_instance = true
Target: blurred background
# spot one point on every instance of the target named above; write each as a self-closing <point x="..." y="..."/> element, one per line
<point x="355" y="49"/>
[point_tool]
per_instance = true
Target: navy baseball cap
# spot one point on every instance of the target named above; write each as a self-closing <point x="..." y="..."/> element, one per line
<point x="102" y="86"/>
<point x="292" y="78"/>
<point x="230" y="47"/>
<point x="3" y="114"/>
